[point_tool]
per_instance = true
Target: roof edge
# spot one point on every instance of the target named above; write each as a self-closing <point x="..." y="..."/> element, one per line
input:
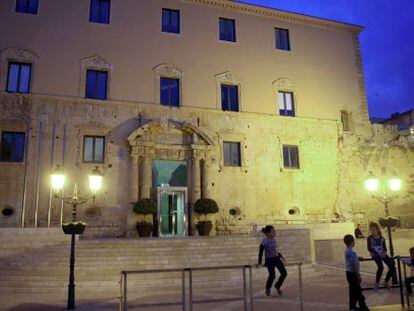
<point x="288" y="16"/>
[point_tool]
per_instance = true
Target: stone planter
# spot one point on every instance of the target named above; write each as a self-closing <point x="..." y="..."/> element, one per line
<point x="388" y="222"/>
<point x="73" y="227"/>
<point x="144" y="229"/>
<point x="204" y="228"/>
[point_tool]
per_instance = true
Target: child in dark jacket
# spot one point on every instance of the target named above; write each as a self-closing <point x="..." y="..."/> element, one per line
<point x="377" y="247"/>
<point x="273" y="259"/>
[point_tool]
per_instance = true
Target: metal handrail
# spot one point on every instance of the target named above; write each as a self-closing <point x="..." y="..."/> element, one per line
<point x="398" y="272"/>
<point x="248" y="299"/>
<point x="405" y="278"/>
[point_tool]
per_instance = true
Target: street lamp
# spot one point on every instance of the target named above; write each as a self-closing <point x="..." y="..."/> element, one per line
<point x="383" y="191"/>
<point x="74" y="227"/>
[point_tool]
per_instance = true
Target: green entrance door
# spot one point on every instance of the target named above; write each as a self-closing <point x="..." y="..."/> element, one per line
<point x="172" y="211"/>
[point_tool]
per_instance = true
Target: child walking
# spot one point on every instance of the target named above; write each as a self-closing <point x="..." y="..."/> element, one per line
<point x="409" y="280"/>
<point x="377" y="247"/>
<point x="273" y="259"/>
<point x="353" y="276"/>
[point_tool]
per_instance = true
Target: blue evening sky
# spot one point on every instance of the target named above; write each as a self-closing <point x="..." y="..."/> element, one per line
<point x="387" y="44"/>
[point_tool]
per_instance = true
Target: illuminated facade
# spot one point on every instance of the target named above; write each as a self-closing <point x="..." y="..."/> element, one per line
<point x="177" y="100"/>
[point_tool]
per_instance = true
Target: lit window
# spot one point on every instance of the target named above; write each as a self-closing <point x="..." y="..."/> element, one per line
<point x="286" y="104"/>
<point x="18" y="79"/>
<point x="227" y="29"/>
<point x="229" y="97"/>
<point x="93" y="149"/>
<point x="27" y="6"/>
<point x="231" y="154"/>
<point x="100" y="11"/>
<point x="12" y="147"/>
<point x="291" y="157"/>
<point x="170" y="92"/>
<point x="96" y="84"/>
<point x="282" y="39"/>
<point x="170" y="21"/>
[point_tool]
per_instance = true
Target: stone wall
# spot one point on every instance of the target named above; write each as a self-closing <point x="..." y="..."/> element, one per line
<point x="329" y="183"/>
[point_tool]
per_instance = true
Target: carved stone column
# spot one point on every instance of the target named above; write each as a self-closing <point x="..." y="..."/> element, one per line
<point x="196" y="179"/>
<point x="134" y="175"/>
<point x="205" y="180"/>
<point x="146" y="180"/>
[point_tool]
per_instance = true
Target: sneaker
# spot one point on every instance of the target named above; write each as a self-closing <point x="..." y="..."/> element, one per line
<point x="279" y="291"/>
<point x="376" y="286"/>
<point x="267" y="292"/>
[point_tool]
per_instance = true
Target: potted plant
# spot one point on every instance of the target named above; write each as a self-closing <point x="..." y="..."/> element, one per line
<point x="389" y="222"/>
<point x="74" y="227"/>
<point x="144" y="207"/>
<point x="205" y="206"/>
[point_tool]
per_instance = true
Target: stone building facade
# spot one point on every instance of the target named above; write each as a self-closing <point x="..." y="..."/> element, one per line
<point x="308" y="167"/>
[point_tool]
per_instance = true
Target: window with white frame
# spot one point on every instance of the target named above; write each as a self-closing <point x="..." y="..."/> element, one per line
<point x="286" y="103"/>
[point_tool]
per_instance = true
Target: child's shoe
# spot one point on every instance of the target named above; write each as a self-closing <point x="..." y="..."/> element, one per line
<point x="376" y="286"/>
<point x="387" y="285"/>
<point x="267" y="292"/>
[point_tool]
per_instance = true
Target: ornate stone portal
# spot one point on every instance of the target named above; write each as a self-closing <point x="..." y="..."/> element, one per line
<point x="165" y="139"/>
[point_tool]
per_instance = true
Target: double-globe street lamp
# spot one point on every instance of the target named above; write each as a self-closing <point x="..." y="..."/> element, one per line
<point x="384" y="191"/>
<point x="74" y="226"/>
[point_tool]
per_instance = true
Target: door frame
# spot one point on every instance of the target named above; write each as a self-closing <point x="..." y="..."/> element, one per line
<point x="160" y="190"/>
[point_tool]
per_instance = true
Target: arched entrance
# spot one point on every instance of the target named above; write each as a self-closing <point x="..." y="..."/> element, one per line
<point x="170" y="163"/>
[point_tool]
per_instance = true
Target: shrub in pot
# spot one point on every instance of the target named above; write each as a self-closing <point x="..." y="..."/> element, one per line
<point x="205" y="206"/>
<point x="144" y="207"/>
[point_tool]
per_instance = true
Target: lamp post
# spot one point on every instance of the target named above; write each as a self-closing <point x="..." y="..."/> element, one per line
<point x="74" y="226"/>
<point x="383" y="190"/>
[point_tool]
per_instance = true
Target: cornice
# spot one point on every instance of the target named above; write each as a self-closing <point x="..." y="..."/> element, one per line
<point x="301" y="19"/>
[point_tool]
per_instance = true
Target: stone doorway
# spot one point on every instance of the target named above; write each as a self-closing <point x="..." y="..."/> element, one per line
<point x="169" y="153"/>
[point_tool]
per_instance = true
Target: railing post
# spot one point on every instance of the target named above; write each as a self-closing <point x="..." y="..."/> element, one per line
<point x="251" y="288"/>
<point x="190" y="289"/>
<point x="400" y="281"/>
<point x="125" y="304"/>
<point x="405" y="277"/>
<point x="183" y="289"/>
<point x="300" y="287"/>
<point x="244" y="289"/>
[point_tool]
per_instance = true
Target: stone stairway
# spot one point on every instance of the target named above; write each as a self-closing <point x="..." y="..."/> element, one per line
<point x="44" y="269"/>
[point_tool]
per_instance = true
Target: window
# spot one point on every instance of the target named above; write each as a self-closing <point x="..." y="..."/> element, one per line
<point x="229" y="97"/>
<point x="282" y="39"/>
<point x="27" y="6"/>
<point x="170" y="21"/>
<point x="291" y="157"/>
<point x="12" y="147"/>
<point x="286" y="104"/>
<point x="231" y="154"/>
<point x="93" y="149"/>
<point x="96" y="84"/>
<point x="346" y="121"/>
<point x="170" y="92"/>
<point x="100" y="11"/>
<point x="227" y="29"/>
<point x="18" y="78"/>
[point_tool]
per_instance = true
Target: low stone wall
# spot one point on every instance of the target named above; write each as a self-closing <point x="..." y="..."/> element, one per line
<point x="332" y="251"/>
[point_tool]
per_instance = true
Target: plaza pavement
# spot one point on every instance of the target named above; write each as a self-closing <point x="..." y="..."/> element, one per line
<point x="326" y="292"/>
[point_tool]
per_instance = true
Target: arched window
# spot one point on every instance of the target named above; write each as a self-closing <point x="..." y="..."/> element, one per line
<point x="229" y="90"/>
<point x="168" y="85"/>
<point x="18" y="65"/>
<point x="95" y="78"/>
<point x="285" y="94"/>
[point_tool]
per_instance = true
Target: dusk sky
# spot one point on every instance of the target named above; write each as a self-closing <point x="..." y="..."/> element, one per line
<point x="387" y="44"/>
